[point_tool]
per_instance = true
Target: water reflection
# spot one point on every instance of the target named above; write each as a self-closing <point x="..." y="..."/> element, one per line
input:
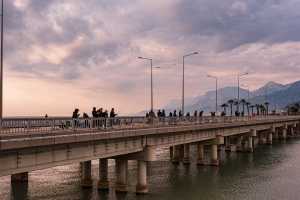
<point x="19" y="190"/>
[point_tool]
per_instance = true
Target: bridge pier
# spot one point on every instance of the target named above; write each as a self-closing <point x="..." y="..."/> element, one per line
<point x="214" y="155"/>
<point x="284" y="133"/>
<point x="270" y="138"/>
<point x="293" y="130"/>
<point x="142" y="186"/>
<point x="121" y="173"/>
<point x="86" y="174"/>
<point x="171" y="152"/>
<point x="176" y="154"/>
<point x="186" y="152"/>
<point x="20" y="178"/>
<point x="239" y="146"/>
<point x="200" y="152"/>
<point x="103" y="183"/>
<point x="250" y="144"/>
<point x="275" y="134"/>
<point x="262" y="138"/>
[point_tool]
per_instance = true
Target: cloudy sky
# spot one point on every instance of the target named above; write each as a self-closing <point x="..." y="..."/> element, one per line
<point x="61" y="54"/>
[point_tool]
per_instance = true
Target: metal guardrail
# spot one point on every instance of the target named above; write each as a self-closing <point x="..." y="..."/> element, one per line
<point x="31" y="125"/>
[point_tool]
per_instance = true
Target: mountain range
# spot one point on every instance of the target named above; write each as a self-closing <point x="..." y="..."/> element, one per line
<point x="278" y="95"/>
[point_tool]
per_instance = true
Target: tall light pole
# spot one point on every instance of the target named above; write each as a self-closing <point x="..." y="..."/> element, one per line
<point x="1" y="63"/>
<point x="216" y="78"/>
<point x="183" y="60"/>
<point x="238" y="78"/>
<point x="151" y="65"/>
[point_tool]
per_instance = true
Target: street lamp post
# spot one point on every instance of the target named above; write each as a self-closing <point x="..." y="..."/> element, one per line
<point x="216" y="78"/>
<point x="183" y="60"/>
<point x="1" y="63"/>
<point x="151" y="65"/>
<point x="238" y="78"/>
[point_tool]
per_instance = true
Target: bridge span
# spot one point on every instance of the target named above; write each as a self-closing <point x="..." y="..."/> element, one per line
<point x="28" y="144"/>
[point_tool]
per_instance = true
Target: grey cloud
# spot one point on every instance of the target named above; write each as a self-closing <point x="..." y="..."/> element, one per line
<point x="188" y="25"/>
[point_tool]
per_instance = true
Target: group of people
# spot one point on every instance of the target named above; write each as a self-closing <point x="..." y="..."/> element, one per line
<point x="162" y="114"/>
<point x="96" y="113"/>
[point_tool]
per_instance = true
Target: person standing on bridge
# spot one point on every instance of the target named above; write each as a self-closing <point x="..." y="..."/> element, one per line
<point x="112" y="115"/>
<point x="94" y="112"/>
<point x="180" y="113"/>
<point x="75" y="117"/>
<point x="196" y="113"/>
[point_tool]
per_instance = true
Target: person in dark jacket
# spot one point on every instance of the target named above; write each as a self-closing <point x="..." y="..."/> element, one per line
<point x="201" y="113"/>
<point x="159" y="113"/>
<point x="180" y="113"/>
<point x="94" y="112"/>
<point x="196" y="113"/>
<point x="175" y="113"/>
<point x="163" y="113"/>
<point x="75" y="117"/>
<point x="112" y="113"/>
<point x="76" y="113"/>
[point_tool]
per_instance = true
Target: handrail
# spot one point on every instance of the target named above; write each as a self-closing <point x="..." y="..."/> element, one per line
<point x="52" y="124"/>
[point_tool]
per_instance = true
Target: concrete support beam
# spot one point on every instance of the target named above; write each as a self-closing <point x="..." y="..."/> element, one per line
<point x="275" y="134"/>
<point x="86" y="174"/>
<point x="200" y="154"/>
<point x="176" y="154"/>
<point x="103" y="183"/>
<point x="292" y="131"/>
<point x="214" y="155"/>
<point x="121" y="175"/>
<point x="20" y="178"/>
<point x="186" y="152"/>
<point x="142" y="186"/>
<point x="284" y="133"/>
<point x="171" y="152"/>
<point x="262" y="139"/>
<point x="250" y="144"/>
<point x="270" y="138"/>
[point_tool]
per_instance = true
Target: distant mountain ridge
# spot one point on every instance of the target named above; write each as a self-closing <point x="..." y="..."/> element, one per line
<point x="278" y="95"/>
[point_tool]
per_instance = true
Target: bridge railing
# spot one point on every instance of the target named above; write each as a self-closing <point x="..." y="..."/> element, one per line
<point x="40" y="125"/>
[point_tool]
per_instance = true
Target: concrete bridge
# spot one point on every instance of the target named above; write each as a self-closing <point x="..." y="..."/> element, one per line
<point x="39" y="143"/>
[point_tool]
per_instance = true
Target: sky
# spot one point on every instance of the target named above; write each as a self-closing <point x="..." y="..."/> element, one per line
<point x="62" y="54"/>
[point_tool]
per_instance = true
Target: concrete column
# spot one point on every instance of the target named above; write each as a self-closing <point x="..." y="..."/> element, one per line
<point x="255" y="142"/>
<point x="250" y="144"/>
<point x="103" y="183"/>
<point x="86" y="174"/>
<point x="171" y="152"/>
<point x="142" y="187"/>
<point x="186" y="152"/>
<point x="262" y="139"/>
<point x="121" y="173"/>
<point x="275" y="134"/>
<point x="214" y="155"/>
<point x="176" y="154"/>
<point x="239" y="146"/>
<point x="284" y="133"/>
<point x="200" y="152"/>
<point x="227" y="143"/>
<point x="270" y="138"/>
<point x="292" y="131"/>
<point x="20" y="178"/>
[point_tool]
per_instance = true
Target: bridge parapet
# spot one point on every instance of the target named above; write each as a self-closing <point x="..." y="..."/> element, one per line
<point x="58" y="124"/>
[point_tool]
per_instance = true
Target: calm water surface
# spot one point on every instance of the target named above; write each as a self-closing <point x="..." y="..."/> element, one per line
<point x="272" y="172"/>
